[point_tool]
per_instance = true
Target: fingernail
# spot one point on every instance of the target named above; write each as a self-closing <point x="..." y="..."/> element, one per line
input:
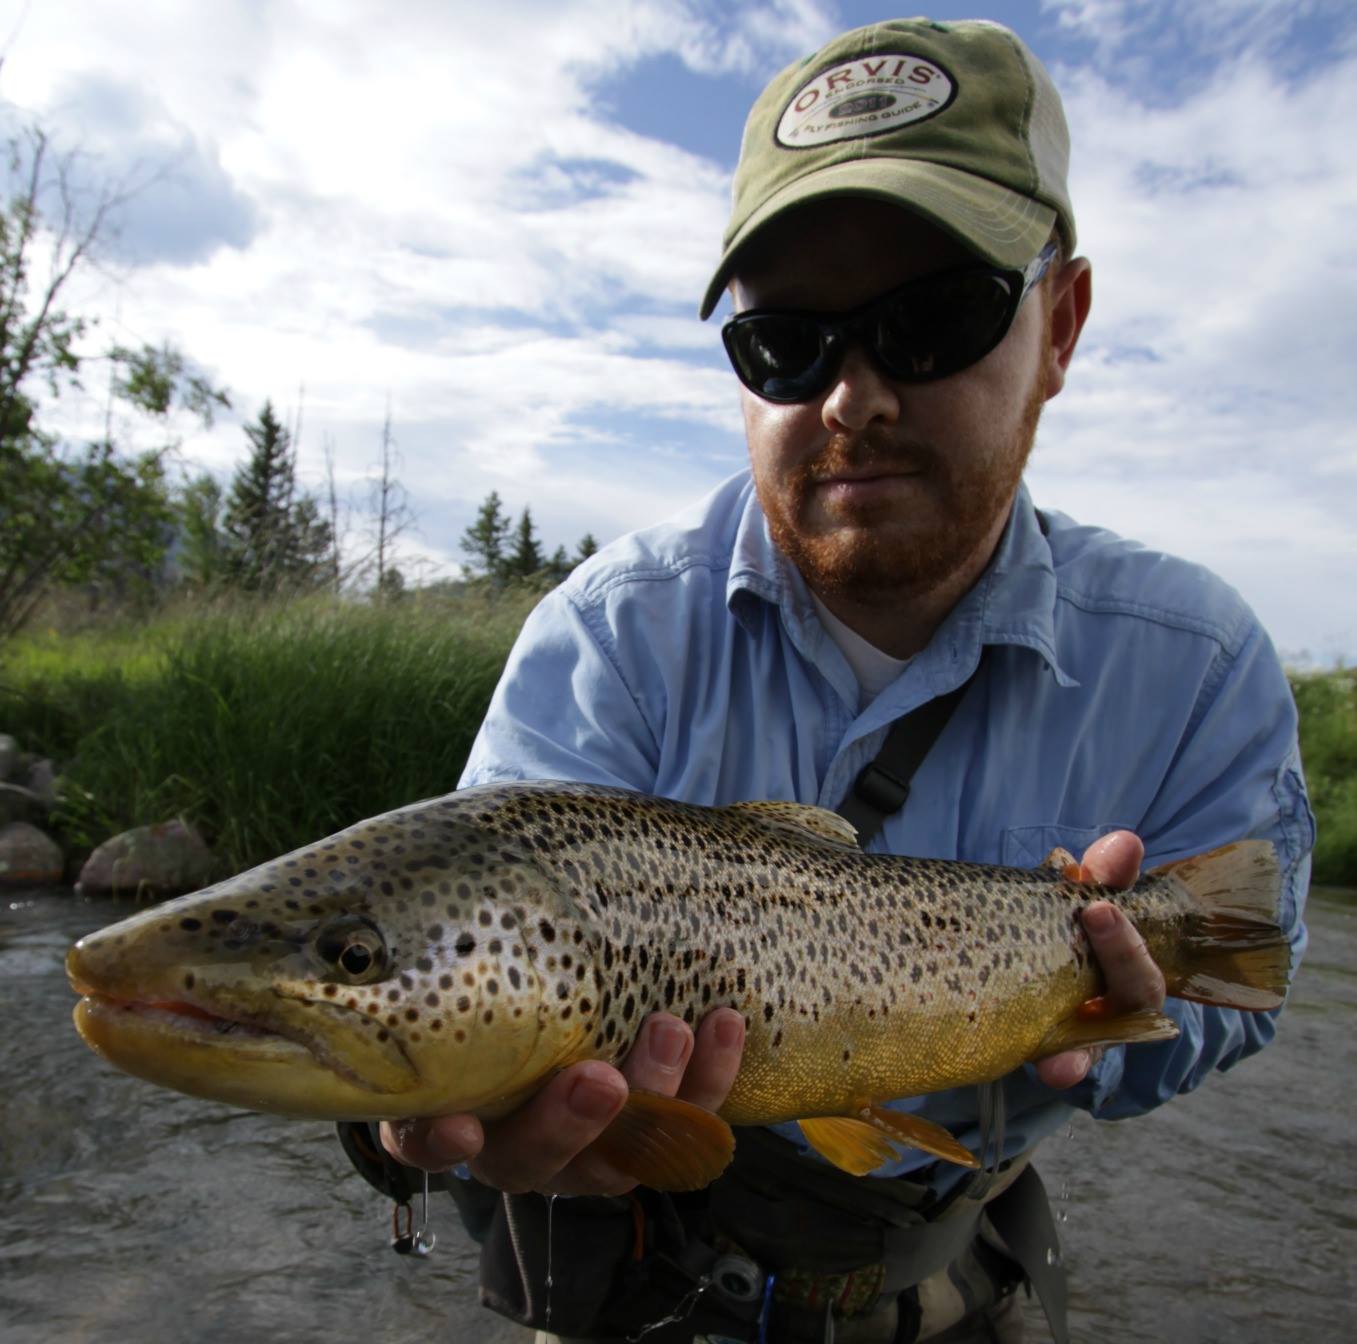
<point x="1100" y="918"/>
<point x="593" y="1100"/>
<point x="667" y="1043"/>
<point x="730" y="1033"/>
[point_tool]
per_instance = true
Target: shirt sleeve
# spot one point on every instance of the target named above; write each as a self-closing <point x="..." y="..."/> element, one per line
<point x="1237" y="773"/>
<point x="563" y="710"/>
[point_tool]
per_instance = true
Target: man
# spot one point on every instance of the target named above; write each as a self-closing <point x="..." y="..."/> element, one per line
<point x="900" y="260"/>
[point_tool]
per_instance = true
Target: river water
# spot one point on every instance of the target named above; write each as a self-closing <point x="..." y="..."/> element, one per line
<point x="128" y="1212"/>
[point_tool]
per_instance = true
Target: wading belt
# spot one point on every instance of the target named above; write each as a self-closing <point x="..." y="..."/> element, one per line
<point x="857" y="1242"/>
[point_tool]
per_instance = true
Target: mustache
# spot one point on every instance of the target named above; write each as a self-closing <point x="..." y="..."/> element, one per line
<point x="868" y="451"/>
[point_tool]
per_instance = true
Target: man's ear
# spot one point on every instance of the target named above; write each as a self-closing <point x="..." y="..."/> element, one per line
<point x="1071" y="298"/>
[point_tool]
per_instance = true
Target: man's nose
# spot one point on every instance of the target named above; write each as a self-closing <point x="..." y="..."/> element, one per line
<point x="860" y="394"/>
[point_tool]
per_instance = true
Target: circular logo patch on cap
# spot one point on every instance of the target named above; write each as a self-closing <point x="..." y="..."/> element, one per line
<point x="870" y="95"/>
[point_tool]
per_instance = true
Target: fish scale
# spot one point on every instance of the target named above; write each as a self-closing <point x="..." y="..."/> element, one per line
<point x="453" y="955"/>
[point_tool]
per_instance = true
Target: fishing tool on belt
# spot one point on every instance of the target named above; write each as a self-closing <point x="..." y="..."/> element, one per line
<point x="398" y="1183"/>
<point x="406" y="1238"/>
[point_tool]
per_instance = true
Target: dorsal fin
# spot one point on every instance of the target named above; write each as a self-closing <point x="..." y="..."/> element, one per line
<point x="818" y="821"/>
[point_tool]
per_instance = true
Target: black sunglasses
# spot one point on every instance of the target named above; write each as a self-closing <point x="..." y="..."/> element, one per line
<point x="926" y="329"/>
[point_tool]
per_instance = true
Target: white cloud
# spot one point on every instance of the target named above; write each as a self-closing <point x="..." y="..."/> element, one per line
<point x="1210" y="409"/>
<point x="441" y="210"/>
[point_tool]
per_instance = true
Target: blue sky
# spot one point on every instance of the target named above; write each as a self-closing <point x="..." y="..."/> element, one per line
<point x="501" y="219"/>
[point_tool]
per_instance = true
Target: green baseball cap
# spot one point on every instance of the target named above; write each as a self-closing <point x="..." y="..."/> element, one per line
<point x="958" y="122"/>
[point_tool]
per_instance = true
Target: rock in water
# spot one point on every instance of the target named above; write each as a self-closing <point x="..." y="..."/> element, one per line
<point x="160" y="860"/>
<point x="28" y="858"/>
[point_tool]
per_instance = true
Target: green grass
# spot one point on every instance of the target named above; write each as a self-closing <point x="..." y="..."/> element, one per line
<point x="268" y="727"/>
<point x="271" y="726"/>
<point x="1327" y="702"/>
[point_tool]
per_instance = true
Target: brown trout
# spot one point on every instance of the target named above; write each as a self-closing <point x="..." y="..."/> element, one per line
<point x="452" y="955"/>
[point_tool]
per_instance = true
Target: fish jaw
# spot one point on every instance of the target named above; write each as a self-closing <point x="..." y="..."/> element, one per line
<point x="260" y="1072"/>
<point x="224" y="1041"/>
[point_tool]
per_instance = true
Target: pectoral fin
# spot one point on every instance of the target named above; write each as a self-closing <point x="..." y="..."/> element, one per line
<point x="667" y="1144"/>
<point x="859" y="1144"/>
<point x="1086" y="1029"/>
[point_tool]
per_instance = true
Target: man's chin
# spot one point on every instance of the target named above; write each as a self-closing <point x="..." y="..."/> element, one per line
<point x="866" y="562"/>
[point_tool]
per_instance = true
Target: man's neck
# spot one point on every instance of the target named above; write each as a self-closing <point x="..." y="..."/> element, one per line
<point x="902" y="624"/>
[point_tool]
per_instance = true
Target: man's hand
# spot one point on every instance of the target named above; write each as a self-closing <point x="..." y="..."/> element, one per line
<point x="545" y="1144"/>
<point x="1133" y="979"/>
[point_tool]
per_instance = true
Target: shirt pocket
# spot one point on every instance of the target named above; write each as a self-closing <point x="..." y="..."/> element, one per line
<point x="1027" y="846"/>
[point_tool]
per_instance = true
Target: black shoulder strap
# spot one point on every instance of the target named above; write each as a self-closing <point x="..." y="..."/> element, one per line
<point x="882" y="787"/>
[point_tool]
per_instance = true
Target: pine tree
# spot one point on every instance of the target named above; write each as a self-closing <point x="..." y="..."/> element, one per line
<point x="274" y="537"/>
<point x="559" y="566"/>
<point x="307" y="556"/>
<point x="259" y="504"/>
<point x="586" y="547"/>
<point x="526" y="558"/>
<point x="484" y="540"/>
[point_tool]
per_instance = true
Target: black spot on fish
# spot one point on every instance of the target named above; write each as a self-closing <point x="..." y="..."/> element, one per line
<point x="191" y="925"/>
<point x="465" y="945"/>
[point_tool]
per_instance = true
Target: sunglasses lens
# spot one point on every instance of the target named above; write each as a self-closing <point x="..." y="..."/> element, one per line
<point x="937" y="327"/>
<point x="926" y="329"/>
<point x="779" y="356"/>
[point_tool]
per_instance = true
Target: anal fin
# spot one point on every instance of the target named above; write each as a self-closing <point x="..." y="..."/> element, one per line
<point x="851" y="1145"/>
<point x="667" y="1144"/>
<point x="860" y="1143"/>
<point x="1082" y="1031"/>
<point x="916" y="1132"/>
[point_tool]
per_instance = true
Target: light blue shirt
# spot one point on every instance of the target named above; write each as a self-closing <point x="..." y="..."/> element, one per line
<point x="1122" y="688"/>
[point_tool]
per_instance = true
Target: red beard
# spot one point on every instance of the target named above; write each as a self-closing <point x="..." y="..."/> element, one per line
<point x="872" y="553"/>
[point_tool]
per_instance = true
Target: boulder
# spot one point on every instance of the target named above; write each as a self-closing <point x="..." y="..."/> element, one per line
<point x="42" y="781"/>
<point x="20" y="804"/>
<point x="28" y="858"/>
<point x="166" y="859"/>
<point x="9" y="756"/>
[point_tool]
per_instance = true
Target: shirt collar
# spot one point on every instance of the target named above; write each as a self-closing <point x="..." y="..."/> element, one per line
<point x="1013" y="603"/>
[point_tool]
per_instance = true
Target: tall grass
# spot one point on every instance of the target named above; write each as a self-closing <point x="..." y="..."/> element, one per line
<point x="268" y="727"/>
<point x="1327" y="702"/>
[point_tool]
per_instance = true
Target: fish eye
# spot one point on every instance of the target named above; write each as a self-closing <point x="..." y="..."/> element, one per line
<point x="353" y="948"/>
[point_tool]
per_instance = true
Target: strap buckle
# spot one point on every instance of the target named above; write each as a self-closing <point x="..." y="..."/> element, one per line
<point x="880" y="789"/>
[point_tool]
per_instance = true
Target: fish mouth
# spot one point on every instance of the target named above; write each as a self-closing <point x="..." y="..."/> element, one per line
<point x="189" y="1020"/>
<point x="266" y="1054"/>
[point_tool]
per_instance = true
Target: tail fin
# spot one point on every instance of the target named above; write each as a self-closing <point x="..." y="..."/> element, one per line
<point x="1233" y="953"/>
